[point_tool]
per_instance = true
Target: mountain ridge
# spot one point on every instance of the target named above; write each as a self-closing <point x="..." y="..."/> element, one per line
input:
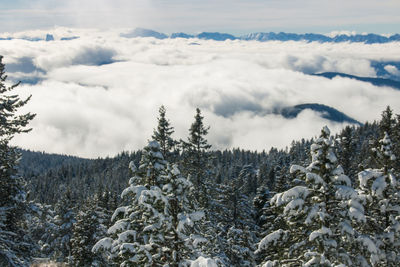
<point x="380" y="82"/>
<point x="370" y="38"/>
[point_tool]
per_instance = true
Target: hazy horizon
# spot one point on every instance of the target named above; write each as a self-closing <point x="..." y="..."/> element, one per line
<point x="233" y="16"/>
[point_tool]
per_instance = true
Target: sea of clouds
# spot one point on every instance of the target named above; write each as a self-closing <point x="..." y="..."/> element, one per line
<point x="99" y="94"/>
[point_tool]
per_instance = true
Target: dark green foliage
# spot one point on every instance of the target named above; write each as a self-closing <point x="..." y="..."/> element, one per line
<point x="91" y="225"/>
<point x="14" y="243"/>
<point x="163" y="136"/>
<point x="387" y="122"/>
<point x="64" y="222"/>
<point x="196" y="158"/>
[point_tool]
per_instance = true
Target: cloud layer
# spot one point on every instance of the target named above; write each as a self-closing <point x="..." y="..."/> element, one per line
<point x="100" y="94"/>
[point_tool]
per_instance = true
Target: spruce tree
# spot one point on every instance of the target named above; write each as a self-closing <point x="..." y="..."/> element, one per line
<point x="91" y="225"/>
<point x="82" y="237"/>
<point x="315" y="213"/>
<point x="14" y="244"/>
<point x="380" y="190"/>
<point x="196" y="158"/>
<point x="163" y="136"/>
<point x="152" y="229"/>
<point x="184" y="234"/>
<point x="64" y="221"/>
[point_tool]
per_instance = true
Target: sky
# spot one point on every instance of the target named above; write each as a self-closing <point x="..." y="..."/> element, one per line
<point x="192" y="16"/>
<point x="99" y="94"/>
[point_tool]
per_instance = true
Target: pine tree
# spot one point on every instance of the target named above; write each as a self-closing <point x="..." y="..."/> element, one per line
<point x="240" y="237"/>
<point x="196" y="158"/>
<point x="184" y="235"/>
<point x="45" y="229"/>
<point x="64" y="221"/>
<point x="380" y="190"/>
<point x="89" y="228"/>
<point x="152" y="229"/>
<point x="314" y="214"/>
<point x="14" y="246"/>
<point x="387" y="122"/>
<point x="163" y="136"/>
<point x="347" y="147"/>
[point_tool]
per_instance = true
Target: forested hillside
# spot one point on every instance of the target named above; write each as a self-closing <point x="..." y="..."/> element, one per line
<point x="330" y="201"/>
<point x="234" y="189"/>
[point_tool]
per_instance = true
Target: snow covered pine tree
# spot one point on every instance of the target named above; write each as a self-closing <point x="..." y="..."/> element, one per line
<point x="14" y="243"/>
<point x="315" y="212"/>
<point x="153" y="228"/>
<point x="380" y="190"/>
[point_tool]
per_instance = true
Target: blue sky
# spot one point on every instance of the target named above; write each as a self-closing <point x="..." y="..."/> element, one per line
<point x="233" y="16"/>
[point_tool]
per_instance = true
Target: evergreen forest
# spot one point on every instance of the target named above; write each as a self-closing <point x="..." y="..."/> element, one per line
<point x="333" y="200"/>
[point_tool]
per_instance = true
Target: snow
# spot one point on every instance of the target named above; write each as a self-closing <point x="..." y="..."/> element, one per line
<point x="293" y="193"/>
<point x="272" y="238"/>
<point x="154" y="144"/>
<point x="124" y="236"/>
<point x="368" y="243"/>
<point x="128" y="247"/>
<point x="198" y="240"/>
<point x="393" y="181"/>
<point x="331" y="157"/>
<point x="132" y="166"/>
<point x="117" y="227"/>
<point x="320" y="232"/>
<point x="295" y="168"/>
<point x="293" y="206"/>
<point x="158" y="166"/>
<point x="175" y="170"/>
<point x="134" y="189"/>
<point x="314" y="212"/>
<point x="346" y="228"/>
<point x="102" y="244"/>
<point x="345" y="192"/>
<point x="117" y="212"/>
<point x="197" y="216"/>
<point x="338" y="171"/>
<point x="203" y="262"/>
<point x="271" y="264"/>
<point x="316" y="178"/>
<point x="183" y="221"/>
<point x="378" y="186"/>
<point x="342" y="179"/>
<point x="356" y="214"/>
<point x="366" y="175"/>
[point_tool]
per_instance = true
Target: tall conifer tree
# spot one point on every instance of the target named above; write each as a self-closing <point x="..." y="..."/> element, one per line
<point x="162" y="134"/>
<point x="14" y="247"/>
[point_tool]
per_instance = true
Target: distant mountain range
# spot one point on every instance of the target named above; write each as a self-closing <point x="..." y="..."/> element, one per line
<point x="259" y="36"/>
<point x="270" y="36"/>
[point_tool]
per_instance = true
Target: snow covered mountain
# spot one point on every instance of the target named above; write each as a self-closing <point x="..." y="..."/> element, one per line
<point x="311" y="37"/>
<point x="258" y="36"/>
<point x="271" y="36"/>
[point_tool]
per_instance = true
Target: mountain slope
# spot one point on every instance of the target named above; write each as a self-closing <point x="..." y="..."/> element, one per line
<point x="326" y="112"/>
<point x="374" y="81"/>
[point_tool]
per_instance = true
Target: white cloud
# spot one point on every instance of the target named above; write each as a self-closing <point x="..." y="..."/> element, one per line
<point x="84" y="108"/>
<point x="392" y="70"/>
